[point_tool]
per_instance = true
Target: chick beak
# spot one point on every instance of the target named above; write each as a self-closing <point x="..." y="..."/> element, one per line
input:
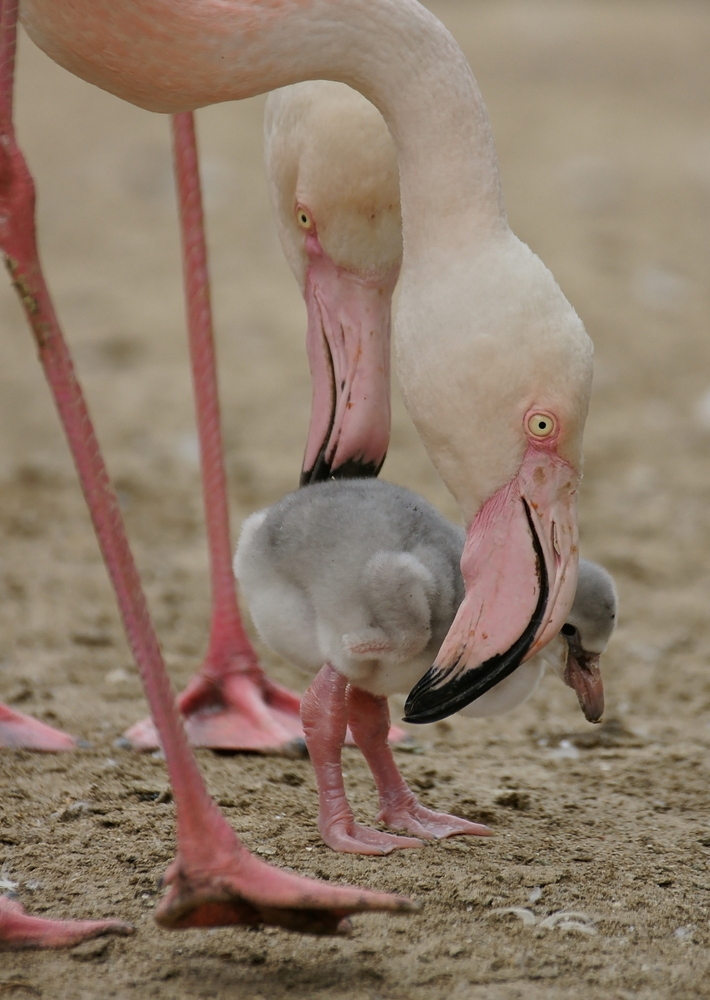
<point x="582" y="673"/>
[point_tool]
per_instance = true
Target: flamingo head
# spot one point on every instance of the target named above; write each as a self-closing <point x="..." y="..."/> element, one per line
<point x="333" y="178"/>
<point x="501" y="402"/>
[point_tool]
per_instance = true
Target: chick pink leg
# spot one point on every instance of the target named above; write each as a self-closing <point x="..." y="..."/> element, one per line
<point x="230" y="704"/>
<point x="214" y="880"/>
<point x="19" y="731"/>
<point x="324" y="717"/>
<point x="369" y="720"/>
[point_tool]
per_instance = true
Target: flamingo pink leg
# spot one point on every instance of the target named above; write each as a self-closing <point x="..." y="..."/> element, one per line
<point x="19" y="731"/>
<point x="324" y="716"/>
<point x="230" y="704"/>
<point x="369" y="720"/>
<point x="214" y="880"/>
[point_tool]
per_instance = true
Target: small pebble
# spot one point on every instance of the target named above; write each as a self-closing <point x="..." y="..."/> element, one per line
<point x="117" y="676"/>
<point x="565" y="751"/>
<point x="684" y="933"/>
<point x="71" y="812"/>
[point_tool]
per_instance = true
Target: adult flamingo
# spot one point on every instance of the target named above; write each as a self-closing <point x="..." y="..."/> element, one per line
<point x="494" y="363"/>
<point x="333" y="182"/>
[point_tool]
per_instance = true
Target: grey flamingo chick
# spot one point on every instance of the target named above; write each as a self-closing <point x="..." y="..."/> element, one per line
<point x="357" y="583"/>
<point x="574" y="655"/>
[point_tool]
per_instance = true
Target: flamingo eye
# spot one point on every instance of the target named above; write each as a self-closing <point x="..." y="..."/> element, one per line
<point x="541" y="425"/>
<point x="304" y="218"/>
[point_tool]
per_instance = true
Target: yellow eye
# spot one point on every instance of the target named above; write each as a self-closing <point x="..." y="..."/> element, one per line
<point x="541" y="425"/>
<point x="304" y="218"/>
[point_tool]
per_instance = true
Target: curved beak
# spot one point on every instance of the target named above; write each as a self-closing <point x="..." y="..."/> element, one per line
<point x="583" y="674"/>
<point x="519" y="566"/>
<point x="348" y="343"/>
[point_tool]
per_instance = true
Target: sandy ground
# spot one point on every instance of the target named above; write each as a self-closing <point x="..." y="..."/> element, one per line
<point x="600" y="112"/>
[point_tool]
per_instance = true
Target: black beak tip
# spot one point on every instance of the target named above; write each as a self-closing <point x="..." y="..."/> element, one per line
<point x="425" y="701"/>
<point x="437" y="695"/>
<point x="443" y="691"/>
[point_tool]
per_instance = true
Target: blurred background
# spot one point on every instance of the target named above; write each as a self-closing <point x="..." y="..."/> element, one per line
<point x="601" y="114"/>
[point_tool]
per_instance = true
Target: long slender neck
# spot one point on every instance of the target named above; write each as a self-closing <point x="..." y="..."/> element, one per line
<point x="402" y="59"/>
<point x="426" y="92"/>
<point x="175" y="55"/>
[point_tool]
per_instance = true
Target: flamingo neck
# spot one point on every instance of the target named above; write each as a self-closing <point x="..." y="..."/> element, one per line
<point x="176" y="55"/>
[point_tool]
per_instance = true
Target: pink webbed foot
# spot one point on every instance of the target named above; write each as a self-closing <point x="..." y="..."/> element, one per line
<point x="237" y="712"/>
<point x="240" y="712"/>
<point x="410" y="815"/>
<point x="233" y="887"/>
<point x="346" y="835"/>
<point x="20" y="930"/>
<point x="368" y="716"/>
<point x="22" y="732"/>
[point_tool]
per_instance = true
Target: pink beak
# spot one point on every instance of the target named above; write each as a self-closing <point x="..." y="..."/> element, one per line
<point x="348" y="344"/>
<point x="519" y="566"/>
<point x="583" y="675"/>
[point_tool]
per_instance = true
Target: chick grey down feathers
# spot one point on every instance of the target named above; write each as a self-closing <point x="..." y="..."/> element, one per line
<point x="365" y="575"/>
